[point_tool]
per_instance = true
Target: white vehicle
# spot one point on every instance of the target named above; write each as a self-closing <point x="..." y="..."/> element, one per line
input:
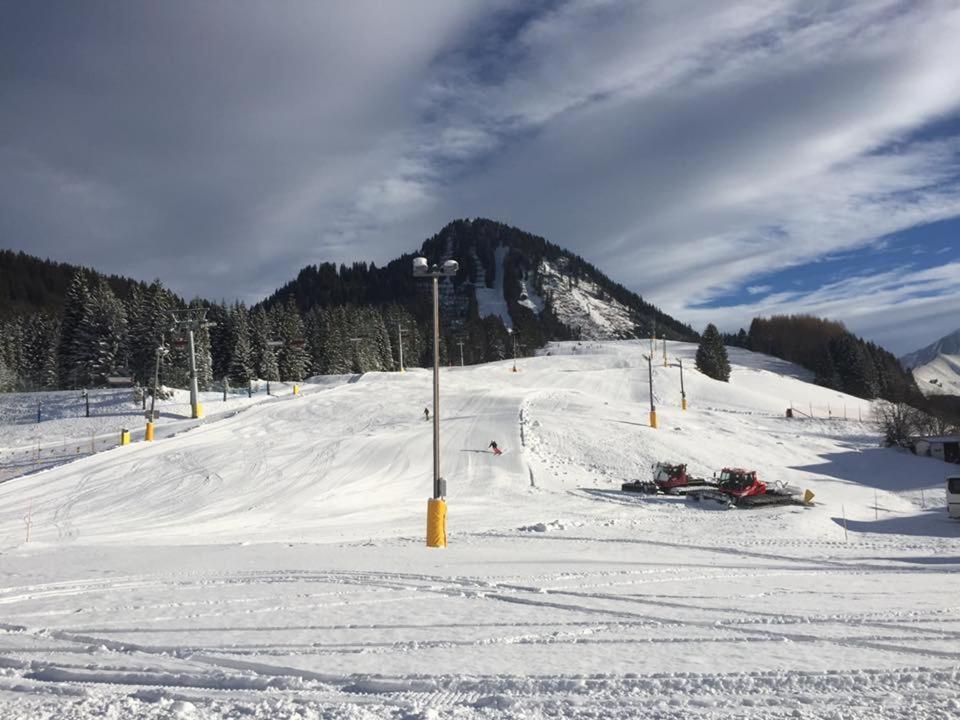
<point x="953" y="495"/>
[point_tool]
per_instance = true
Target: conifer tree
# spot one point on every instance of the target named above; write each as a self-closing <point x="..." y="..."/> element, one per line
<point x="240" y="367"/>
<point x="38" y="367"/>
<point x="71" y="352"/>
<point x="102" y="331"/>
<point x="264" y="358"/>
<point x="712" y="355"/>
<point x="292" y="356"/>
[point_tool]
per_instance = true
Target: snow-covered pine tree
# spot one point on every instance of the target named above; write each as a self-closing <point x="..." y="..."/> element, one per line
<point x="337" y="351"/>
<point x="8" y="379"/>
<point x="712" y="355"/>
<point x="263" y="356"/>
<point x="11" y="349"/>
<point x="240" y="368"/>
<point x="71" y="351"/>
<point x="102" y="329"/>
<point x="39" y="358"/>
<point x="221" y="338"/>
<point x="381" y="340"/>
<point x="313" y="329"/>
<point x="292" y="359"/>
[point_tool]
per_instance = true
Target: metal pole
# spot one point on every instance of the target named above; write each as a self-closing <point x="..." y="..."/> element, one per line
<point x="683" y="394"/>
<point x="650" y="373"/>
<point x="400" y="343"/>
<point x="194" y="392"/>
<point x="436" y="388"/>
<point x="156" y="380"/>
<point x="460" y="343"/>
<point x="86" y="396"/>
<point x="664" y="352"/>
<point x="225" y="386"/>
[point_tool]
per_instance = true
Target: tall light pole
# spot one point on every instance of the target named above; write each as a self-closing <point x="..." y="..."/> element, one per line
<point x="460" y="343"/>
<point x="513" y="339"/>
<point x="436" y="506"/>
<point x="653" y="409"/>
<point x="400" y="344"/>
<point x="665" y="352"/>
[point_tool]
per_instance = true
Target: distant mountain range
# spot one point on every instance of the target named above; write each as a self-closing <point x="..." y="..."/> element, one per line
<point x="936" y="368"/>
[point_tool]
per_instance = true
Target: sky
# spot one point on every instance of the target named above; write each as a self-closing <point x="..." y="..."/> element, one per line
<point x="724" y="160"/>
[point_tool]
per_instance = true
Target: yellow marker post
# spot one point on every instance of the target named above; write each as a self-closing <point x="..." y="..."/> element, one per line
<point x="653" y="419"/>
<point x="124" y="437"/>
<point x="683" y="404"/>
<point x="436" y="523"/>
<point x="198" y="411"/>
<point x="148" y="435"/>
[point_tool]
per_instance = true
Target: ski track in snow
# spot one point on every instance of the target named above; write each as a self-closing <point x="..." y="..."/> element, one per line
<point x="271" y="564"/>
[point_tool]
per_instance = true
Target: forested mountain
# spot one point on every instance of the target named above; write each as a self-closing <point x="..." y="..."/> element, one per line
<point x="29" y="284"/>
<point x="70" y="327"/>
<point x="531" y="285"/>
<point x="837" y="358"/>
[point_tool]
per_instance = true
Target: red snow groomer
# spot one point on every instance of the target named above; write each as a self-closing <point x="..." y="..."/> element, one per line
<point x="668" y="479"/>
<point x="742" y="488"/>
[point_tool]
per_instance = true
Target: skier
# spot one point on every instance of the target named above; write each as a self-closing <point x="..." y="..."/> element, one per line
<point x="496" y="450"/>
<point x="426" y="413"/>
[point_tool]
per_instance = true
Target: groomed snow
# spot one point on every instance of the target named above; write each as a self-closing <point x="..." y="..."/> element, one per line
<point x="491" y="301"/>
<point x="271" y="564"/>
<point x="940" y="376"/>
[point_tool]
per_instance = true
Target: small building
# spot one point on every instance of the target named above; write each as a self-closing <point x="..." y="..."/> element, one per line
<point x="942" y="447"/>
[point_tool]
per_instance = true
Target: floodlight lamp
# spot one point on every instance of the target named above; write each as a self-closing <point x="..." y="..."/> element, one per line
<point x="420" y="266"/>
<point x="450" y="267"/>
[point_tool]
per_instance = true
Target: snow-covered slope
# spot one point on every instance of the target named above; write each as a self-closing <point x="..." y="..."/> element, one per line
<point x="940" y="376"/>
<point x="271" y="564"/>
<point x="583" y="307"/>
<point x="936" y="368"/>
<point x="947" y="345"/>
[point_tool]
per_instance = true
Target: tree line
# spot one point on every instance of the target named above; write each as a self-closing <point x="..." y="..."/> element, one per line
<point x="837" y="358"/>
<point x="97" y="334"/>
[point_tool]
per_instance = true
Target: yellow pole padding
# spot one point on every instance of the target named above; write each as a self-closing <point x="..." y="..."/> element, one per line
<point x="124" y="437"/>
<point x="653" y="419"/>
<point x="296" y="389"/>
<point x="148" y="436"/>
<point x="683" y="403"/>
<point x="807" y="497"/>
<point x="198" y="411"/>
<point x="436" y="523"/>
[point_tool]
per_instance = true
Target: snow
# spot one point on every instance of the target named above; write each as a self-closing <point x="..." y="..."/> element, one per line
<point x="585" y="306"/>
<point x="491" y="301"/>
<point x="271" y="564"/>
<point x="940" y="376"/>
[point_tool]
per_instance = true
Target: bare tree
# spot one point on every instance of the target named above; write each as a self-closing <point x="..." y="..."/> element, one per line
<point x="900" y="422"/>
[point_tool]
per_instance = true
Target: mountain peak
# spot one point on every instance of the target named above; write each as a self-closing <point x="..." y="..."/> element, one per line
<point x="947" y="345"/>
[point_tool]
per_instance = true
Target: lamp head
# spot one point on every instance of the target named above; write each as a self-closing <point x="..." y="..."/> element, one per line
<point x="420" y="266"/>
<point x="450" y="267"/>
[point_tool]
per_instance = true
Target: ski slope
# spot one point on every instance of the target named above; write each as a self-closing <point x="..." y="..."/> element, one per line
<point x="271" y="564"/>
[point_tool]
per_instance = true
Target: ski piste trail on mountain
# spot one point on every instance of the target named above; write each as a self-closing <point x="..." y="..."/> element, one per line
<point x="271" y="563"/>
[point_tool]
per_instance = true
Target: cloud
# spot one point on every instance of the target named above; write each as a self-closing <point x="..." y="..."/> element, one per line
<point x="688" y="148"/>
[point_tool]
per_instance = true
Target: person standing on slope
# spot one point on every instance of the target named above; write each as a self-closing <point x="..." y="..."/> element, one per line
<point x="496" y="450"/>
<point x="426" y="413"/>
